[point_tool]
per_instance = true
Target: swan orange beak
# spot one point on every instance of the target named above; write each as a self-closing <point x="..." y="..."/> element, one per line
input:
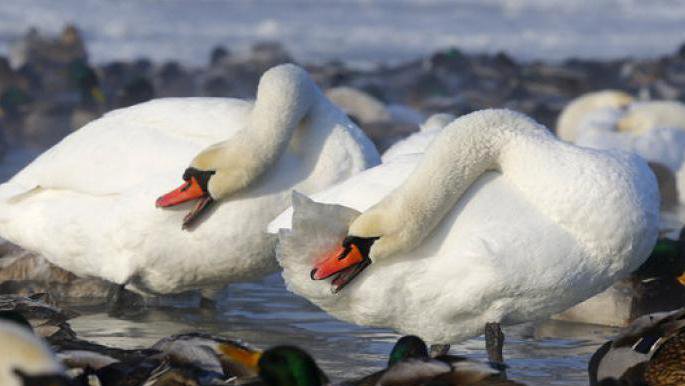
<point x="337" y="261"/>
<point x="348" y="261"/>
<point x="190" y="190"/>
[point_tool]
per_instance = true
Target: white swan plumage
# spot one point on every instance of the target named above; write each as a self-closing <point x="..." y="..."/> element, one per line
<point x="419" y="141"/>
<point x="609" y="119"/>
<point x="497" y="221"/>
<point x="88" y="203"/>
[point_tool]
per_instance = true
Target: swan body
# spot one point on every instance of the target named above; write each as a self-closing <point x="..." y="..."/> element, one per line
<point x="655" y="130"/>
<point x="368" y="109"/>
<point x="497" y="221"/>
<point x="87" y="204"/>
<point x="419" y="141"/>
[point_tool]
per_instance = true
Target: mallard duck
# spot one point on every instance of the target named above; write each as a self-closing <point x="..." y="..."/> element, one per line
<point x="650" y="351"/>
<point x="46" y="320"/>
<point x="408" y="364"/>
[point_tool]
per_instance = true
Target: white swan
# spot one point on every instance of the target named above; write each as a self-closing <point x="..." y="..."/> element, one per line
<point x="576" y="111"/>
<point x="419" y="141"/>
<point x="368" y="109"/>
<point x="496" y="221"/>
<point x="88" y="204"/>
<point x="655" y="130"/>
<point x="22" y="351"/>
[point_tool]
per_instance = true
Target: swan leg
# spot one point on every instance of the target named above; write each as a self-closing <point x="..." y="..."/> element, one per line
<point x="208" y="298"/>
<point x="439" y="349"/>
<point x="122" y="301"/>
<point x="207" y="303"/>
<point x="494" y="344"/>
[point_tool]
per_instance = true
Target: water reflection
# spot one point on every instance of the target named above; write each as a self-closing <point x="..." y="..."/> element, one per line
<point x="264" y="313"/>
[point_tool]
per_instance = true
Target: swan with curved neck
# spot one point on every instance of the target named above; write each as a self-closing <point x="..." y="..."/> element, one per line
<point x="284" y="98"/>
<point x="655" y="130"/>
<point x="645" y="116"/>
<point x="241" y="161"/>
<point x="497" y="221"/>
<point x="575" y="112"/>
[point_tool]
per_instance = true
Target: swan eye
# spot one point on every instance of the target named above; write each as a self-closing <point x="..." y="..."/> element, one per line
<point x="201" y="176"/>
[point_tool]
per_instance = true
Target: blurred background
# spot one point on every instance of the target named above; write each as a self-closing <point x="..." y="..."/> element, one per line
<point x="63" y="63"/>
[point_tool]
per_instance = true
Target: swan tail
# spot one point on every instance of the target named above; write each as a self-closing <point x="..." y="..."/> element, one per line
<point x="316" y="228"/>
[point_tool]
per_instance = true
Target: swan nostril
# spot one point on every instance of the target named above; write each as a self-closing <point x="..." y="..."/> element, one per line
<point x="312" y="273"/>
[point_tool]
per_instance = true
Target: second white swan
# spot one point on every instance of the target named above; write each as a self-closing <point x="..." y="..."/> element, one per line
<point x="497" y="222"/>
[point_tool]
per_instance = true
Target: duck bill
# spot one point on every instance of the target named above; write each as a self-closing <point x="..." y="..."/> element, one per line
<point x="337" y="261"/>
<point x="242" y="356"/>
<point x="681" y="279"/>
<point x="190" y="190"/>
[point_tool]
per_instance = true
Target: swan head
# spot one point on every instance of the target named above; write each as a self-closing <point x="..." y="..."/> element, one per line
<point x="574" y="112"/>
<point x="285" y="95"/>
<point x="645" y="116"/>
<point x="347" y="261"/>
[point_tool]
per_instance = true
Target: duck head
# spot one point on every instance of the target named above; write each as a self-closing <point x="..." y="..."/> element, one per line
<point x="408" y="346"/>
<point x="290" y="366"/>
<point x="86" y="80"/>
<point x="279" y="366"/>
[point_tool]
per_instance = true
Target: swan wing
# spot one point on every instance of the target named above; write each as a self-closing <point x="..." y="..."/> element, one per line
<point x="128" y="146"/>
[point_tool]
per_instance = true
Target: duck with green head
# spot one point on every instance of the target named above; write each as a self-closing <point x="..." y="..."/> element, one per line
<point x="408" y="365"/>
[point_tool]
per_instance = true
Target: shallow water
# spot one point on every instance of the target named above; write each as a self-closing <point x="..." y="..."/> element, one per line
<point x="264" y="313"/>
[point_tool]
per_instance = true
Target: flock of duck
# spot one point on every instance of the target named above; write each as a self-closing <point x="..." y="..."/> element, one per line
<point x="485" y="218"/>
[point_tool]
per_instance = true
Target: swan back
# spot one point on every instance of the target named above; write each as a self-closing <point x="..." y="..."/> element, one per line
<point x="542" y="167"/>
<point x="358" y="104"/>
<point x="418" y="142"/>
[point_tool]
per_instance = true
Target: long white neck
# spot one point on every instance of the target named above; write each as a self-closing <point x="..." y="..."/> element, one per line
<point x="285" y="96"/>
<point x="465" y="150"/>
<point x="275" y="117"/>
